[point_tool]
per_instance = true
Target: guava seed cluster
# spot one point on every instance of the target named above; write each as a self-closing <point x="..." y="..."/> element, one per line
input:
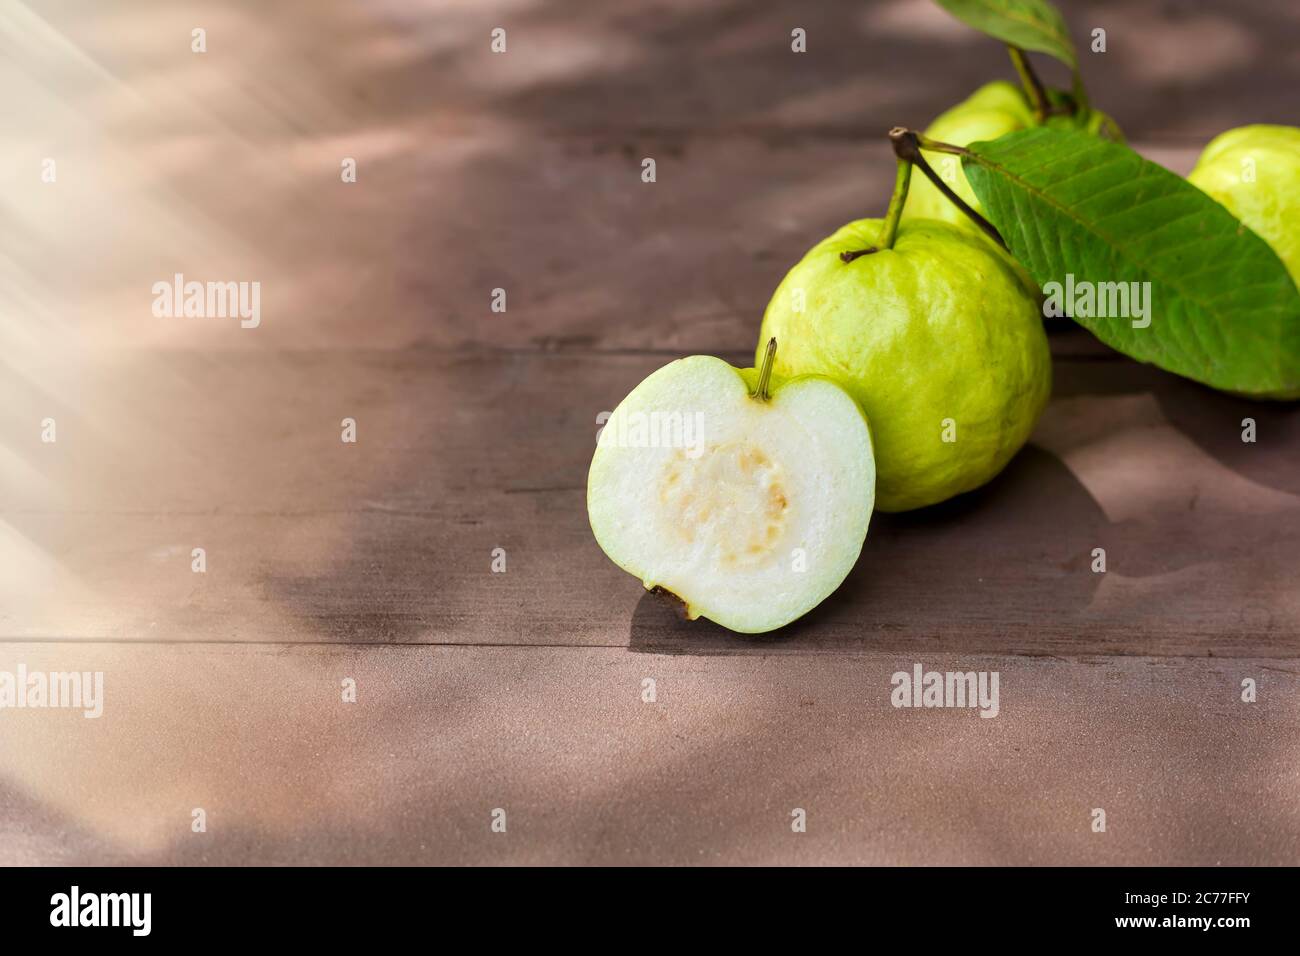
<point x="731" y="494"/>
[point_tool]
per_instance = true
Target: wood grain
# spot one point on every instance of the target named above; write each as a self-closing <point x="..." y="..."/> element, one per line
<point x="587" y="772"/>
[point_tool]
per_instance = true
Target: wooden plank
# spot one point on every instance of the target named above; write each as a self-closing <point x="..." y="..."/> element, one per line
<point x="391" y="539"/>
<point x="589" y="773"/>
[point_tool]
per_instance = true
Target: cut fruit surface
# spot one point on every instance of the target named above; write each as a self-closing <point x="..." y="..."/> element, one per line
<point x="750" y="510"/>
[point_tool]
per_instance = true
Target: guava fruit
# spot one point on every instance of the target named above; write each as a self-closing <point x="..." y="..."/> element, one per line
<point x="993" y="110"/>
<point x="1254" y="171"/>
<point x="940" y="340"/>
<point x="744" y="496"/>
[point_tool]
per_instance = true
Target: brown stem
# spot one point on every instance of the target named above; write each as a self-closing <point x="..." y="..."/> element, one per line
<point x="850" y="254"/>
<point x="907" y="145"/>
<point x="1037" y="93"/>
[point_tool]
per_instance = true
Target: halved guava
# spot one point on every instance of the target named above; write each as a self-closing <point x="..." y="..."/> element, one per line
<point x="748" y="502"/>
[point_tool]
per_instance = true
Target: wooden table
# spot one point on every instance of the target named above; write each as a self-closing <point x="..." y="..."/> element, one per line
<point x="523" y="690"/>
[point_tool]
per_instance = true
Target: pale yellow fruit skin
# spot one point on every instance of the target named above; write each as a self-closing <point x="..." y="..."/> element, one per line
<point x="993" y="110"/>
<point x="942" y="326"/>
<point x="1270" y="204"/>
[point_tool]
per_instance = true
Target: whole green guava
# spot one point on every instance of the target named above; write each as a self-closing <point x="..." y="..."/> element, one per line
<point x="940" y="340"/>
<point x="1254" y="171"/>
<point x="993" y="110"/>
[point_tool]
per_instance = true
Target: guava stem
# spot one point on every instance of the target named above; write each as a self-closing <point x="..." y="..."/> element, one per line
<point x="901" y="181"/>
<point x="889" y="231"/>
<point x="908" y="145"/>
<point x="1032" y="84"/>
<point x="765" y="373"/>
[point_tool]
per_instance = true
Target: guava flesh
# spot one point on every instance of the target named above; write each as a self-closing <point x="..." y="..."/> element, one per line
<point x="752" y="512"/>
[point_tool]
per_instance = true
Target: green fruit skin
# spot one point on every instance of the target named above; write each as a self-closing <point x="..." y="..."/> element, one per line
<point x="941" y="326"/>
<point x="1270" y="203"/>
<point x="993" y="110"/>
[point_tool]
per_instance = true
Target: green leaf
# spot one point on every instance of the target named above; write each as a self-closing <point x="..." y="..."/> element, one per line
<point x="1223" y="309"/>
<point x="1029" y="24"/>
